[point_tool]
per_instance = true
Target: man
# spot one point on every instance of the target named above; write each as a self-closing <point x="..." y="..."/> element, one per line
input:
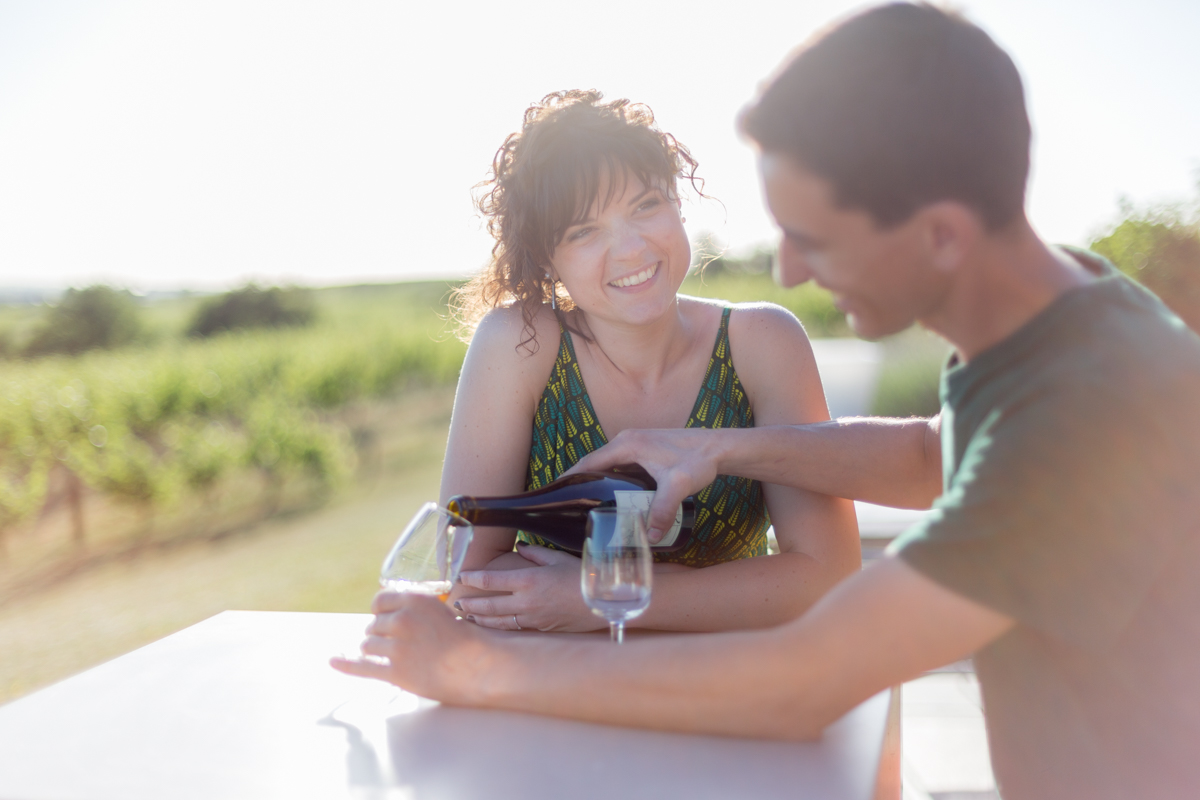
<point x="1062" y="548"/>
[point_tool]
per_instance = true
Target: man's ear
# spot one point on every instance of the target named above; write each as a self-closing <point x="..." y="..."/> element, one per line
<point x="951" y="231"/>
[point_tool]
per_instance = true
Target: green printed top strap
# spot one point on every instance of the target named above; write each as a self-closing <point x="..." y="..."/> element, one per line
<point x="731" y="515"/>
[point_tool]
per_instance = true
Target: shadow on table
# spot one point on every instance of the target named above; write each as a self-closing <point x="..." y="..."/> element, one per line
<point x="449" y="752"/>
<point x="362" y="764"/>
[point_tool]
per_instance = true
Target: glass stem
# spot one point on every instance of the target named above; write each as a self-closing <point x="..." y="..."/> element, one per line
<point x="617" y="629"/>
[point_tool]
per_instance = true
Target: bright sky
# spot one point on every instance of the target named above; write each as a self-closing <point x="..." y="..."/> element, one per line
<point x="201" y="144"/>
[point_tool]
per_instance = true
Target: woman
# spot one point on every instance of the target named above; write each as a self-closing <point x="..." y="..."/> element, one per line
<point x="578" y="333"/>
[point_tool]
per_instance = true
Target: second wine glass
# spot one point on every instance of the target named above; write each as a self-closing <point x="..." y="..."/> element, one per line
<point x="617" y="569"/>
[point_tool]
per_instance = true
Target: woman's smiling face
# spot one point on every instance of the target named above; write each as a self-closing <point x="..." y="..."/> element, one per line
<point x="626" y="260"/>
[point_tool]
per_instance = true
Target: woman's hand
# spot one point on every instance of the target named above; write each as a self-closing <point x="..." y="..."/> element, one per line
<point x="544" y="596"/>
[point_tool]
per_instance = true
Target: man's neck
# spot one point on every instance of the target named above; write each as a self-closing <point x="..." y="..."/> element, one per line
<point x="1009" y="278"/>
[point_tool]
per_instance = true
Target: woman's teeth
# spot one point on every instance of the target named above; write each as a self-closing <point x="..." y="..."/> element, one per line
<point x="641" y="277"/>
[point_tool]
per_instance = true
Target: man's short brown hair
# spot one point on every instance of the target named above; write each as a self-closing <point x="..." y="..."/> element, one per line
<point x="902" y="106"/>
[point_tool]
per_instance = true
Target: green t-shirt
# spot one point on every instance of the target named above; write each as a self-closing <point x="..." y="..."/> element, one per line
<point x="1071" y="503"/>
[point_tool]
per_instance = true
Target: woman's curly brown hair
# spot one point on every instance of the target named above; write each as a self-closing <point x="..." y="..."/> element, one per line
<point x="546" y="178"/>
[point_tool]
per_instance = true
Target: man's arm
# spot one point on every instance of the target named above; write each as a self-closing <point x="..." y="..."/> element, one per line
<point x="876" y="629"/>
<point x="894" y="462"/>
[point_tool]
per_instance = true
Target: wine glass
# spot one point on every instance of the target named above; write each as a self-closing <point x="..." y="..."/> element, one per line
<point x="427" y="556"/>
<point x="617" y="566"/>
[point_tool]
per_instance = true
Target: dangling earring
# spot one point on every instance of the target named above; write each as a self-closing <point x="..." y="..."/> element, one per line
<point x="682" y="219"/>
<point x="553" y="294"/>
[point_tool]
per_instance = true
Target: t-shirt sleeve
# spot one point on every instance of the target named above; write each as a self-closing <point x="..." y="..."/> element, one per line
<point x="1058" y="515"/>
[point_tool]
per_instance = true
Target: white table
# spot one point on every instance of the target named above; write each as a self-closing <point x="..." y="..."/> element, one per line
<point x="244" y="705"/>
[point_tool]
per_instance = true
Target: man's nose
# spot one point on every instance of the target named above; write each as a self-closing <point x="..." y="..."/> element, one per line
<point x="791" y="266"/>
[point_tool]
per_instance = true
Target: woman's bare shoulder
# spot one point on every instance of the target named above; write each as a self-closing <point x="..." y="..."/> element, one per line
<point x="772" y="353"/>
<point x="766" y="325"/>
<point x="746" y="316"/>
<point x="504" y="357"/>
<point x="704" y="311"/>
<point x="760" y="331"/>
<point x="504" y="336"/>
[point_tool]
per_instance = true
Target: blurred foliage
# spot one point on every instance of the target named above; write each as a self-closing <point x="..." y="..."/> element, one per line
<point x="147" y="424"/>
<point x="748" y="279"/>
<point x="710" y="256"/>
<point x="86" y="319"/>
<point x="1160" y="247"/>
<point x="252" y="307"/>
<point x="909" y="375"/>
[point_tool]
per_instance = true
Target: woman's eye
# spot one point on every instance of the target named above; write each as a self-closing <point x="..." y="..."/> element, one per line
<point x="579" y="234"/>
<point x="649" y="204"/>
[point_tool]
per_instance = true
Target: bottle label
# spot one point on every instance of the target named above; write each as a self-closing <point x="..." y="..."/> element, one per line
<point x="641" y="501"/>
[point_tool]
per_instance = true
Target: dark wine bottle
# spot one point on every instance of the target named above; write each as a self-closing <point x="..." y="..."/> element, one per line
<point x="558" y="512"/>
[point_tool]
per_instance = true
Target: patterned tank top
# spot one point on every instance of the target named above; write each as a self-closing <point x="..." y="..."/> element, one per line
<point x="731" y="515"/>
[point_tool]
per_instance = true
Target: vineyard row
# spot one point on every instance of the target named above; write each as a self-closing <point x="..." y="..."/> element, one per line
<point x="145" y="425"/>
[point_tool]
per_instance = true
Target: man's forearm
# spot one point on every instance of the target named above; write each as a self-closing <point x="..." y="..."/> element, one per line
<point x="894" y="462"/>
<point x="736" y="685"/>
<point x="880" y="627"/>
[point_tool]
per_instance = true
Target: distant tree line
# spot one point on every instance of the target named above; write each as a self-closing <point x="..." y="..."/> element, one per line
<point x="252" y="307"/>
<point x="101" y="317"/>
<point x="1158" y="246"/>
<point x="84" y="319"/>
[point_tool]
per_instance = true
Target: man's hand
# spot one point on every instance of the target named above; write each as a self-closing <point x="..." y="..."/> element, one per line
<point x="428" y="651"/>
<point x="682" y="461"/>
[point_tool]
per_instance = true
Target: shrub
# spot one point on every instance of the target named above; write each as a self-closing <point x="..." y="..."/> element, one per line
<point x="908" y="388"/>
<point x="85" y="319"/>
<point x="1160" y="248"/>
<point x="909" y="377"/>
<point x="252" y="307"/>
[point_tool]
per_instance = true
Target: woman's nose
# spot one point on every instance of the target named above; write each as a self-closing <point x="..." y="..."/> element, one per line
<point x="627" y="241"/>
<point x="791" y="267"/>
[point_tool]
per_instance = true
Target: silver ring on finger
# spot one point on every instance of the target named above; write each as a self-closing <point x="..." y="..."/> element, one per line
<point x="517" y="623"/>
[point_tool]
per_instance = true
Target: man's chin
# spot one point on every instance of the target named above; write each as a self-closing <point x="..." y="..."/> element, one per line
<point x="873" y="329"/>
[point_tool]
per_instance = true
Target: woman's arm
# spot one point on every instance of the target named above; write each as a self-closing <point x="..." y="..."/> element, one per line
<point x="818" y="535"/>
<point x="487" y="452"/>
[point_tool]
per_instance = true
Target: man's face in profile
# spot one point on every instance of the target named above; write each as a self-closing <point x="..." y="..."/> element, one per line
<point x="880" y="277"/>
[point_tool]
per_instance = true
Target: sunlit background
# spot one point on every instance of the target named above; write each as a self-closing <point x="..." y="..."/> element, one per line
<point x="168" y="455"/>
<point x="164" y="145"/>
